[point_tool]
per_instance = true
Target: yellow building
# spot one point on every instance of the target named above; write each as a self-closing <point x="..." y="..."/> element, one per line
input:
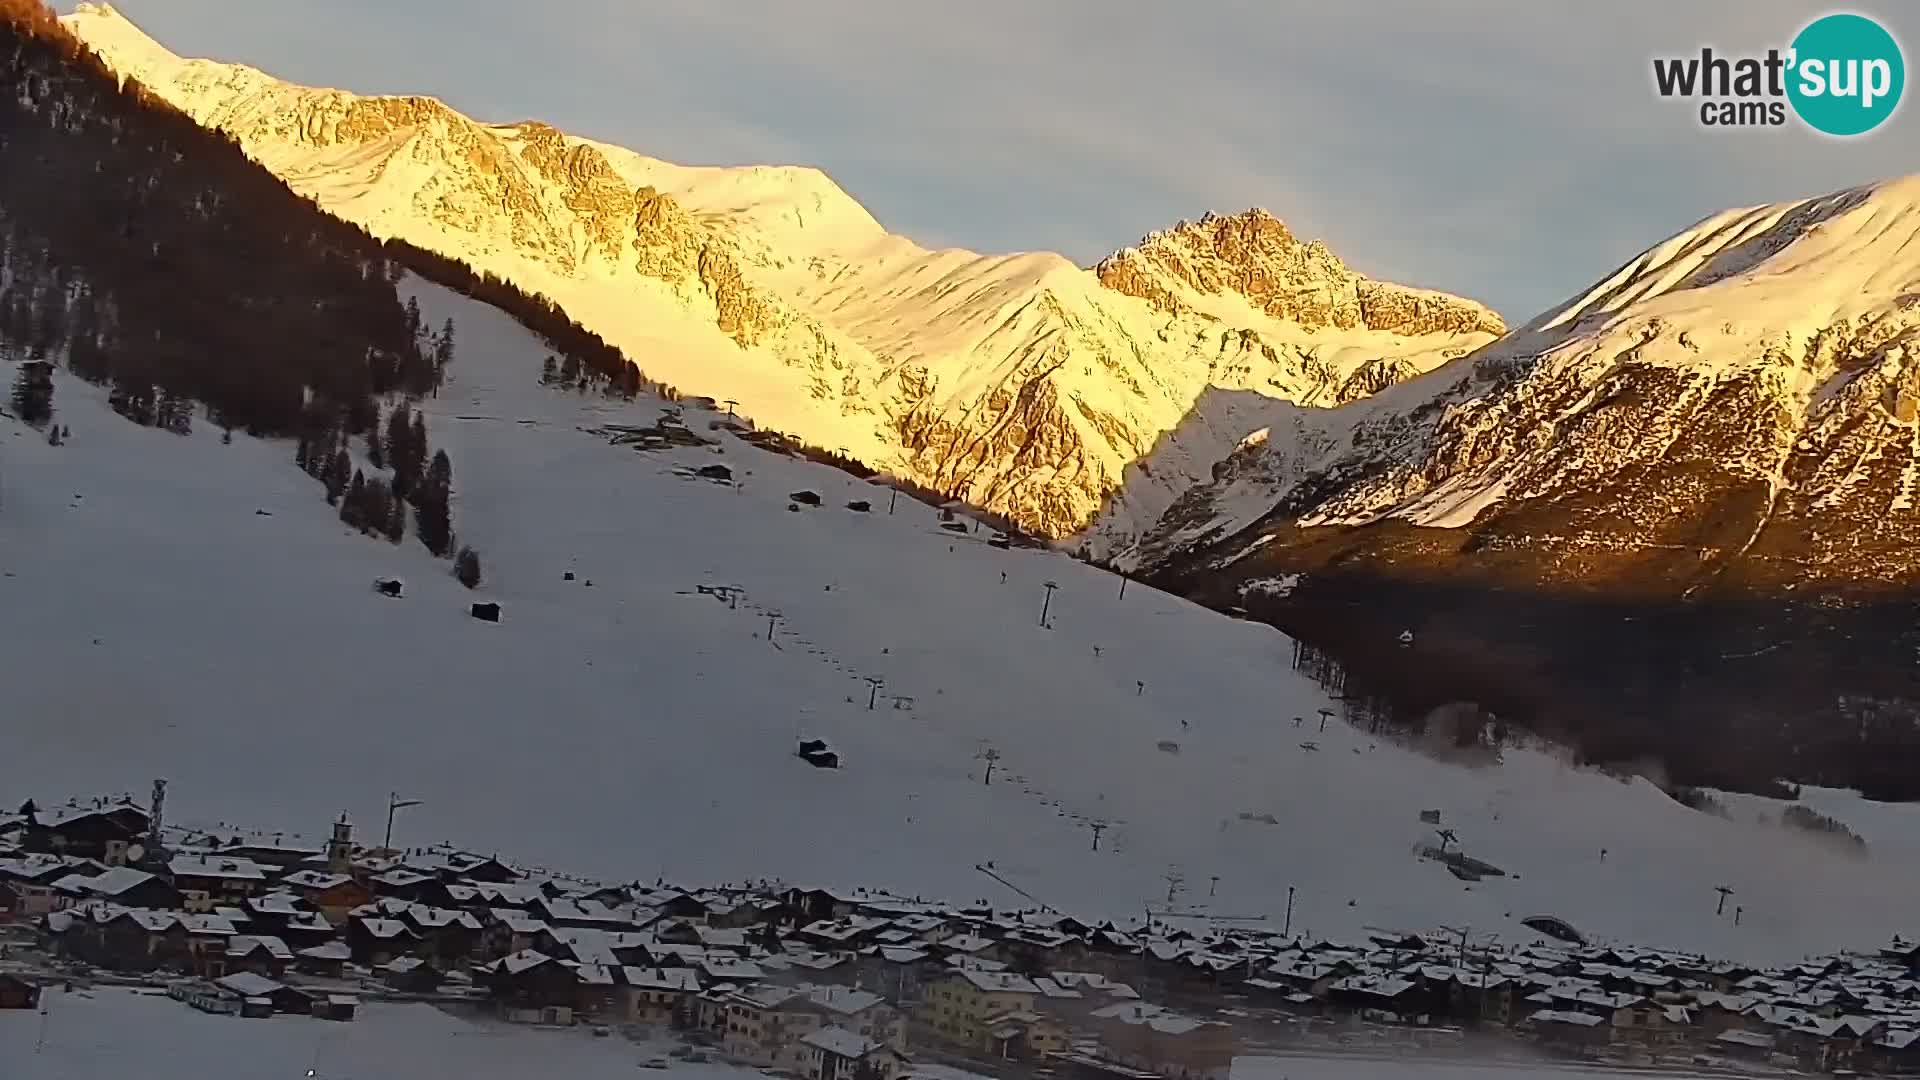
<point x="960" y="1006"/>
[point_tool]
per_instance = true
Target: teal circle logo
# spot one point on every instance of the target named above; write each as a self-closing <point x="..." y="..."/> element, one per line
<point x="1847" y="74"/>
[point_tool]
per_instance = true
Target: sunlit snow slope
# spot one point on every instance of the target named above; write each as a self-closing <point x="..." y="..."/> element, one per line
<point x="1745" y="393"/>
<point x="158" y="623"/>
<point x="1021" y="383"/>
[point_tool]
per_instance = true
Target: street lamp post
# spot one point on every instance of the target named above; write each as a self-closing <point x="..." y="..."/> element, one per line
<point x="1047" y="604"/>
<point x="394" y="804"/>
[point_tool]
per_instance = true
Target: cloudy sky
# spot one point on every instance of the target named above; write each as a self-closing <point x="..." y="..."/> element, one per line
<point x="1513" y="152"/>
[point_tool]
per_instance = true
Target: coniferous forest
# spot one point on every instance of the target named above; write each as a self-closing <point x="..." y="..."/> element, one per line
<point x="151" y="256"/>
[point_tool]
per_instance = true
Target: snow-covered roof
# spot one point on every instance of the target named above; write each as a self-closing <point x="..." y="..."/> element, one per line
<point x="1737" y="1037"/>
<point x="401" y="877"/>
<point x="518" y="922"/>
<point x="247" y="984"/>
<point x="764" y="996"/>
<point x="1053" y="991"/>
<point x="275" y="903"/>
<point x="318" y="880"/>
<point x="840" y="1042"/>
<point x="384" y="928"/>
<point x="55" y="816"/>
<point x="524" y="960"/>
<point x="46" y="868"/>
<point x="208" y="924"/>
<point x="842" y="1000"/>
<point x="245" y="944"/>
<point x="1093" y="982"/>
<point x="116" y="881"/>
<point x="683" y="980"/>
<point x="1561" y="1016"/>
<point x="217" y="867"/>
<point x="730" y="968"/>
<point x="1157" y="1017"/>
<point x="998" y="982"/>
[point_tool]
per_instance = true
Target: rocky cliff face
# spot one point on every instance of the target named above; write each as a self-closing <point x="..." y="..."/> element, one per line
<point x="1061" y="397"/>
<point x="1254" y="257"/>
<point x="1736" y="407"/>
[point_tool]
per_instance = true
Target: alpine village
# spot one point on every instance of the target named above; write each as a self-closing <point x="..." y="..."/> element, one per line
<point x="829" y="984"/>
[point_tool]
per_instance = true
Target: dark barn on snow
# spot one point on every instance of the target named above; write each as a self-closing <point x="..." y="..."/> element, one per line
<point x="816" y="753"/>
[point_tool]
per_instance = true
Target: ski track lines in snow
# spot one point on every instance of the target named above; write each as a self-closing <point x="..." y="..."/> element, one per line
<point x="636" y="728"/>
<point x="114" y="1032"/>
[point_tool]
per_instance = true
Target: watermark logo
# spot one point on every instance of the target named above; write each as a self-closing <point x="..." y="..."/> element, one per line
<point x="1842" y="75"/>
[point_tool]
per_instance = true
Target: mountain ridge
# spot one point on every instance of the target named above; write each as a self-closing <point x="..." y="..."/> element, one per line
<point x="1022" y="383"/>
<point x="1723" y="369"/>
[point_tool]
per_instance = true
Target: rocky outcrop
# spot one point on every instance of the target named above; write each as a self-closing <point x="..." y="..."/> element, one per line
<point x="1413" y="312"/>
<point x="1254" y="256"/>
<point x="666" y="240"/>
<point x="1372" y="378"/>
<point x="587" y="185"/>
<point x="742" y="312"/>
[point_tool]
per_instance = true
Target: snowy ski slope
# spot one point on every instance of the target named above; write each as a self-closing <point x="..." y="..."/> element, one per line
<point x="157" y="623"/>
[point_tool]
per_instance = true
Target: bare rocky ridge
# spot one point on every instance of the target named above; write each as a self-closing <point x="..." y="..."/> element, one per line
<point x="1666" y="443"/>
<point x="1253" y="255"/>
<point x="1061" y="397"/>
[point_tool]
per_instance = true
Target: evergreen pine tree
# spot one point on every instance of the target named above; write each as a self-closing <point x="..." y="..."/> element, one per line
<point x="443" y="349"/>
<point x="396" y="435"/>
<point x="433" y="519"/>
<point x="466" y="567"/>
<point x="32" y="397"/>
<point x="401" y="456"/>
<point x="413" y="317"/>
<point x="300" y="452"/>
<point x="548" y="370"/>
<point x="416" y="455"/>
<point x="395" y="525"/>
<point x="379" y="506"/>
<point x="339" y="473"/>
<point x="376" y="452"/>
<point x="354" y="501"/>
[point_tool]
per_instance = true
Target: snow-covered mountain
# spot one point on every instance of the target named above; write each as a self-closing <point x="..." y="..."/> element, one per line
<point x="1736" y="405"/>
<point x="182" y="607"/>
<point x="1022" y="383"/>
